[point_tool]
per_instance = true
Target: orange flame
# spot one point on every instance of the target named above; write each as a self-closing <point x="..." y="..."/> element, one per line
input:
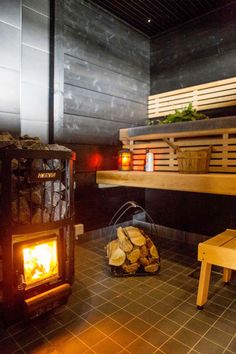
<point x="40" y="261"/>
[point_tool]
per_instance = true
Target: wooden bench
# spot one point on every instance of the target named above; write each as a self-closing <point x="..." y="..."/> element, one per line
<point x="220" y="251"/>
<point x="212" y="95"/>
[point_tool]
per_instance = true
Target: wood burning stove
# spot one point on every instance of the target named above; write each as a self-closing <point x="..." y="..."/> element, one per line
<point x="37" y="238"/>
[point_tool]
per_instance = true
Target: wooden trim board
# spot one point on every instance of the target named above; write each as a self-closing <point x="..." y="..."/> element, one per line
<point x="223" y="184"/>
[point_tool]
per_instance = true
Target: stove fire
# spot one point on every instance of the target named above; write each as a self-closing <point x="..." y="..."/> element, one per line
<point x="40" y="262"/>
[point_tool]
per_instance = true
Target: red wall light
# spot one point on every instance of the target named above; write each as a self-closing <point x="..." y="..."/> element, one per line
<point x="125" y="160"/>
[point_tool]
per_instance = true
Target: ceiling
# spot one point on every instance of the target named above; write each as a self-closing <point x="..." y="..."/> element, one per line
<point x="153" y="17"/>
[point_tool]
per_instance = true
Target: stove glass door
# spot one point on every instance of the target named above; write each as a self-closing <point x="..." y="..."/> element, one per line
<point x="40" y="261"/>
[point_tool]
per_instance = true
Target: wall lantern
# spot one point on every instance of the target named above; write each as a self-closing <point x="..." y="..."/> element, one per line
<point x="125" y="160"/>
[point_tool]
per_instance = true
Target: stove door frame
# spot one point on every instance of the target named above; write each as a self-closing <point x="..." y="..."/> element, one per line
<point x="44" y="285"/>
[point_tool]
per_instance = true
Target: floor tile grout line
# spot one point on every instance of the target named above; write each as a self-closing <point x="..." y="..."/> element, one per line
<point x="153" y="326"/>
<point x="178" y="324"/>
<point x="43" y="336"/>
<point x="167" y="295"/>
<point x="163" y="316"/>
<point x="212" y="325"/>
<point x="227" y="348"/>
<point x="171" y="292"/>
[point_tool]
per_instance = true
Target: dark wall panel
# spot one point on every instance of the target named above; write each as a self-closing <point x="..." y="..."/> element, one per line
<point x="75" y="128"/>
<point x="118" y="61"/>
<point x="192" y="212"/>
<point x="81" y="101"/>
<point x="200" y="51"/>
<point x="106" y="71"/>
<point x="94" y="206"/>
<point x="84" y="74"/>
<point x="108" y="38"/>
<point x="194" y="72"/>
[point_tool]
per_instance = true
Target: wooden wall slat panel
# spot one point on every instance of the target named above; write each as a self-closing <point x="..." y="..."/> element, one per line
<point x="86" y="130"/>
<point x="109" y="36"/>
<point x="106" y="70"/>
<point x="89" y="103"/>
<point x="93" y="51"/>
<point x="84" y="74"/>
<point x="195" y="53"/>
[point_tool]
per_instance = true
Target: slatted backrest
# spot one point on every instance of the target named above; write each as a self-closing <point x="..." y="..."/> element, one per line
<point x="213" y="95"/>
<point x="223" y="156"/>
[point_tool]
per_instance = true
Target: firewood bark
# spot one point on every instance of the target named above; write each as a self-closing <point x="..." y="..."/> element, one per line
<point x="130" y="268"/>
<point x="134" y="255"/>
<point x="153" y="251"/>
<point x="124" y="242"/>
<point x="135" y="236"/>
<point x="144" y="261"/>
<point x="151" y="268"/>
<point x="133" y="250"/>
<point x="143" y="251"/>
<point x="115" y="254"/>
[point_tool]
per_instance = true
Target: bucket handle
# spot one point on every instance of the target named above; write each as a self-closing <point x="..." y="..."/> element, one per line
<point x="172" y="145"/>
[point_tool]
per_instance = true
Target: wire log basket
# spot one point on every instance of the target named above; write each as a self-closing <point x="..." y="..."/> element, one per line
<point x="132" y="248"/>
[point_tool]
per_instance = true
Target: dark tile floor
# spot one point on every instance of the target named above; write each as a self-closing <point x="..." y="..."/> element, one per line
<point x="148" y="314"/>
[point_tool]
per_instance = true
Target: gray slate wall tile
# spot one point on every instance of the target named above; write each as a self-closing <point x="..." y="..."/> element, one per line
<point x="34" y="128"/>
<point x="9" y="91"/>
<point x="42" y="6"/>
<point x="10" y="122"/>
<point x="10" y="12"/>
<point x="35" y="31"/>
<point x="35" y="66"/>
<point x="10" y="46"/>
<point x="34" y="102"/>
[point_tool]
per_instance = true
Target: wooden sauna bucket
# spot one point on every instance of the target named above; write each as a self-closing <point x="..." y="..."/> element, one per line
<point x="193" y="161"/>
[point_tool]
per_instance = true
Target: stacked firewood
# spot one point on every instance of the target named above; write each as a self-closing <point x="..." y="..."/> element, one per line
<point x="34" y="202"/>
<point x="133" y="251"/>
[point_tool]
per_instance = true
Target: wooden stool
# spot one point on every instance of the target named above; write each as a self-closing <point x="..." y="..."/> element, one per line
<point x="220" y="251"/>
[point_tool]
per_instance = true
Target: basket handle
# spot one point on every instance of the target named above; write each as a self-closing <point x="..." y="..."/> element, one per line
<point x="123" y="210"/>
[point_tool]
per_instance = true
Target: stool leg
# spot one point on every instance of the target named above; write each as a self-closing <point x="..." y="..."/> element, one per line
<point x="203" y="285"/>
<point x="227" y="275"/>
